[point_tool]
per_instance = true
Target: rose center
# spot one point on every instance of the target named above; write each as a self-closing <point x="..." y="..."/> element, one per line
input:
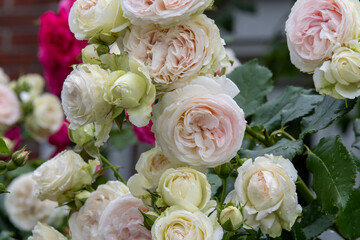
<point x="264" y="190"/>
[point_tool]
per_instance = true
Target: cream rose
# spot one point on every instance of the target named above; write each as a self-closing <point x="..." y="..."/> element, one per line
<point x="10" y="107"/>
<point x="46" y="118"/>
<point x="176" y="223"/>
<point x="4" y="79"/>
<point x="164" y="12"/>
<point x="266" y="190"/>
<point x="122" y="220"/>
<point x="82" y="96"/>
<point x="200" y="124"/>
<point x="24" y="208"/>
<point x="101" y="19"/>
<point x="340" y="76"/>
<point x="314" y="27"/>
<point x="184" y="187"/>
<point x="58" y="178"/>
<point x="234" y="62"/>
<point x="32" y="86"/>
<point x="45" y="232"/>
<point x="181" y="52"/>
<point x="84" y="224"/>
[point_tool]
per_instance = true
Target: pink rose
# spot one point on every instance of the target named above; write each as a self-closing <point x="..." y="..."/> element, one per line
<point x="315" y="26"/>
<point x="144" y="134"/>
<point x="66" y="5"/>
<point x="10" y="107"/>
<point x="164" y="12"/>
<point x="200" y="124"/>
<point x="122" y="220"/>
<point x="58" y="48"/>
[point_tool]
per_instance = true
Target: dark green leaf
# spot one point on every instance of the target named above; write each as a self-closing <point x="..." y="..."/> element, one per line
<point x="3" y="148"/>
<point x="356" y="144"/>
<point x="254" y="82"/>
<point x="319" y="226"/>
<point x="294" y="102"/>
<point x="215" y="182"/>
<point x="124" y="139"/>
<point x="286" y="148"/>
<point x="348" y="220"/>
<point x="325" y="113"/>
<point x="297" y="232"/>
<point x="334" y="173"/>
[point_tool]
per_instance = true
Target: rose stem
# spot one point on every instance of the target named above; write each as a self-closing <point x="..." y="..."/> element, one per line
<point x="304" y="190"/>
<point x="116" y="173"/>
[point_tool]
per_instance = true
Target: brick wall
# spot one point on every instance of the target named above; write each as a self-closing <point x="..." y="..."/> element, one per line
<point x="18" y="34"/>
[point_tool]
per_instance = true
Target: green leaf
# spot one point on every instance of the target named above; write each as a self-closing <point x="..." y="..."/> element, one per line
<point x="286" y="148"/>
<point x="294" y="102"/>
<point x="297" y="232"/>
<point x="3" y="189"/>
<point x="215" y="183"/>
<point x="356" y="144"/>
<point x="124" y="139"/>
<point x="254" y="82"/>
<point x="348" y="220"/>
<point x="319" y="226"/>
<point x="334" y="173"/>
<point x="325" y="113"/>
<point x="3" y="148"/>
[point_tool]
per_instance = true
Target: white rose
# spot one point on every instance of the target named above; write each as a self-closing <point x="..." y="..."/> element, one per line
<point x="200" y="124"/>
<point x="234" y="62"/>
<point x="84" y="224"/>
<point x="122" y="220"/>
<point x="32" y="86"/>
<point x="46" y="118"/>
<point x="152" y="164"/>
<point x="164" y="12"/>
<point x="178" y="53"/>
<point x="82" y="96"/>
<point x="59" y="177"/>
<point x="45" y="232"/>
<point x="266" y="190"/>
<point x="24" y="208"/>
<point x="10" y="107"/>
<point x="184" y="187"/>
<point x="104" y="18"/>
<point x="4" y="79"/>
<point x="340" y="76"/>
<point x="314" y="27"/>
<point x="176" y="223"/>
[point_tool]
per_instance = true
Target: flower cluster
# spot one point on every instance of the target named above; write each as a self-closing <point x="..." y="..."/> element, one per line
<point x="23" y="103"/>
<point x="172" y="52"/>
<point x="323" y="38"/>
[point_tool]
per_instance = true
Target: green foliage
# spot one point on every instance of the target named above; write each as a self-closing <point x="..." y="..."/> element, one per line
<point x="356" y="144"/>
<point x="254" y="82"/>
<point x="3" y="148"/>
<point x="123" y="139"/>
<point x="293" y="103"/>
<point x="348" y="220"/>
<point x="334" y="173"/>
<point x="286" y="148"/>
<point x="325" y="113"/>
<point x="215" y="182"/>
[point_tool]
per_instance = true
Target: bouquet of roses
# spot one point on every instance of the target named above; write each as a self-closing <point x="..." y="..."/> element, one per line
<point x="223" y="165"/>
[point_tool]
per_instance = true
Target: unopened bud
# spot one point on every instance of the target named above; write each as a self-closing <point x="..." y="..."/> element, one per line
<point x="81" y="197"/>
<point x="3" y="165"/>
<point x="231" y="218"/>
<point x="223" y="171"/>
<point x="18" y="159"/>
<point x="149" y="218"/>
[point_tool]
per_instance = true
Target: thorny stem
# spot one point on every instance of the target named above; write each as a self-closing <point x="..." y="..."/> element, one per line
<point x="259" y="137"/>
<point x="116" y="173"/>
